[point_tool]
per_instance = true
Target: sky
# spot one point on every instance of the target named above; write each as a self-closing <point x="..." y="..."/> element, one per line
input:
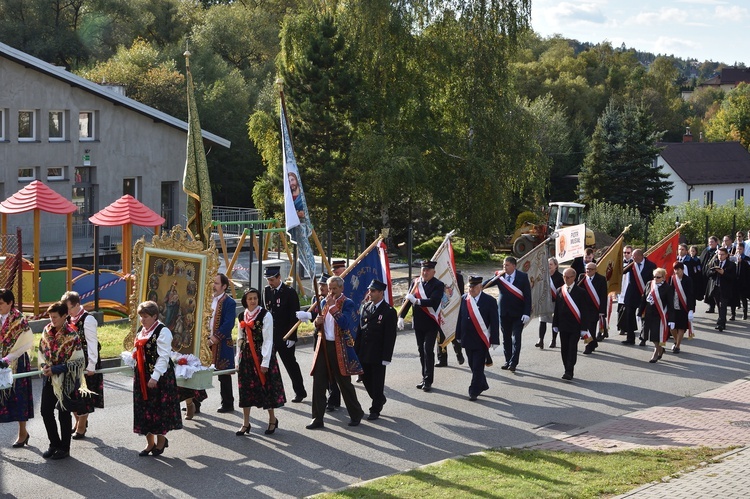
<point x="715" y="30"/>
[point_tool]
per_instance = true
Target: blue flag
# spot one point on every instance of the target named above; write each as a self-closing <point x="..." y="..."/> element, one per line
<point x="374" y="265"/>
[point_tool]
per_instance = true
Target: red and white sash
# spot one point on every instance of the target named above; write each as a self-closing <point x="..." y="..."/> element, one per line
<point x="638" y="279"/>
<point x="592" y="292"/>
<point x="422" y="294"/>
<point x="478" y="320"/>
<point x="510" y="287"/>
<point x="570" y="303"/>
<point x="663" y="328"/>
<point x="552" y="289"/>
<point x="677" y="283"/>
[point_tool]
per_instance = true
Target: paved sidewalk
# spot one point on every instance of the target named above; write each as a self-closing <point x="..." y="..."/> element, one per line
<point x="718" y="418"/>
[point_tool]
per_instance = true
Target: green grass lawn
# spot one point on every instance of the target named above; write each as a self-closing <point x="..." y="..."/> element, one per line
<point x="517" y="473"/>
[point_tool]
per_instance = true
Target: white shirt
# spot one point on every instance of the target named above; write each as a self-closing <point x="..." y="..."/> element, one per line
<point x="511" y="277"/>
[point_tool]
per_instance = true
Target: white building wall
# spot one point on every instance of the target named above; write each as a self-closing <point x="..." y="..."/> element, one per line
<point x="682" y="192"/>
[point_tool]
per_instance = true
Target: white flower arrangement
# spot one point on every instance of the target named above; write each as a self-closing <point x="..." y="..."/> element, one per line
<point x="6" y="378"/>
<point x="128" y="359"/>
<point x="187" y="365"/>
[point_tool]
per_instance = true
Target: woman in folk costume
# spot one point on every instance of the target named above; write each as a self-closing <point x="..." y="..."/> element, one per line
<point x="64" y="387"/>
<point x="16" y="339"/>
<point x="556" y="280"/>
<point x="156" y="404"/>
<point x="85" y="324"/>
<point x="258" y="375"/>
<point x="684" y="304"/>
<point x="657" y="307"/>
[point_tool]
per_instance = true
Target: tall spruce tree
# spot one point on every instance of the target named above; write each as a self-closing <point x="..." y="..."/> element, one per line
<point x="620" y="167"/>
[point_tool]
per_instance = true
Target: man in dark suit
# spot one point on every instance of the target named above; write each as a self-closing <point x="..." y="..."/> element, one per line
<point x="570" y="319"/>
<point x="515" y="309"/>
<point x="376" y="337"/>
<point x="477" y="329"/>
<point x="283" y="303"/>
<point x="426" y="296"/>
<point x="707" y="256"/>
<point x="595" y="286"/>
<point x="721" y="276"/>
<point x="641" y="271"/>
<point x="579" y="263"/>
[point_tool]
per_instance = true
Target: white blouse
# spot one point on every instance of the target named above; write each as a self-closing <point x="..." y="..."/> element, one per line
<point x="266" y="349"/>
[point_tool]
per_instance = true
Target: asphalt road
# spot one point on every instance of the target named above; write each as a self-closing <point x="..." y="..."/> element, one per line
<point x="206" y="459"/>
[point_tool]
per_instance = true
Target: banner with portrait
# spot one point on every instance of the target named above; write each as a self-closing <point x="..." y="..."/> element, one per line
<point x="570" y="242"/>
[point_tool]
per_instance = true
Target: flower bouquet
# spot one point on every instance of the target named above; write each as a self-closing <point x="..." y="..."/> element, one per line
<point x="191" y="373"/>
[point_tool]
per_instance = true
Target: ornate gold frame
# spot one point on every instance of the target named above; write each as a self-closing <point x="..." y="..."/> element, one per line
<point x="178" y="246"/>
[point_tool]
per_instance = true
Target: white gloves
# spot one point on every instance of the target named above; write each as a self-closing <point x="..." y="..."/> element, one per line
<point x="671" y="325"/>
<point x="525" y="319"/>
<point x="400" y="324"/>
<point x="304" y="316"/>
<point x="555" y="329"/>
<point x="386" y="362"/>
<point x="290" y="343"/>
<point x="411" y="298"/>
<point x="690" y="315"/>
<point x="494" y="347"/>
<point x="650" y="299"/>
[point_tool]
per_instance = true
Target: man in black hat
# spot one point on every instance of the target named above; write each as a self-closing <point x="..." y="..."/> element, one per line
<point x="376" y="337"/>
<point x="477" y="329"/>
<point x="334" y="394"/>
<point x="426" y="296"/>
<point x="338" y="267"/>
<point x="283" y="303"/>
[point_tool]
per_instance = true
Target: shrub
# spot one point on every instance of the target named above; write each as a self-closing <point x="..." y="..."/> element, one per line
<point x="526" y="216"/>
<point x="611" y="219"/>
<point x="721" y="219"/>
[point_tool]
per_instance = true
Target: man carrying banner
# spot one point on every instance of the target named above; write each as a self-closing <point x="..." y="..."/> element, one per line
<point x="334" y="357"/>
<point x="426" y="296"/>
<point x="283" y="303"/>
<point x="640" y="272"/>
<point x="477" y="329"/>
<point x="569" y="320"/>
<point x="515" y="309"/>
<point x="376" y="337"/>
<point x="595" y="286"/>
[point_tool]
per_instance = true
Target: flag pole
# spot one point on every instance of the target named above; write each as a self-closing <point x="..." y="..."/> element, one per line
<point x="448" y="236"/>
<point x="326" y="264"/>
<point x="657" y="245"/>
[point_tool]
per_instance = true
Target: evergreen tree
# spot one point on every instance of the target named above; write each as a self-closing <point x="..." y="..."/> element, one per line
<point x="620" y="167"/>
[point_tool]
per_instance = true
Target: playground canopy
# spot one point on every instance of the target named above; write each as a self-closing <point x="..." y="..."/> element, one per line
<point x="37" y="197"/>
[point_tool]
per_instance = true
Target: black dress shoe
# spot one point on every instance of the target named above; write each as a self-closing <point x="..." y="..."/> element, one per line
<point x="373" y="416"/>
<point x="642" y="343"/>
<point x="330" y="408"/>
<point x="225" y="409"/>
<point x="157" y="451"/>
<point x="421" y="385"/>
<point x="60" y="454"/>
<point x="567" y="376"/>
<point x="143" y="453"/>
<point x="719" y="328"/>
<point x="314" y="425"/>
<point x="427" y="387"/>
<point x="354" y="422"/>
<point x="442" y="364"/>
<point x="299" y="397"/>
<point x="19" y="444"/>
<point x="461" y="360"/>
<point x="49" y="452"/>
<point x="472" y="397"/>
<point x="512" y="369"/>
<point x="505" y="367"/>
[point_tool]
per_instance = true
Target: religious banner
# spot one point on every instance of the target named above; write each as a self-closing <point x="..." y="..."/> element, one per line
<point x="664" y="253"/>
<point x="445" y="271"/>
<point x="610" y="265"/>
<point x="570" y="242"/>
<point x="535" y="264"/>
<point x="372" y="264"/>
<point x="296" y="215"/>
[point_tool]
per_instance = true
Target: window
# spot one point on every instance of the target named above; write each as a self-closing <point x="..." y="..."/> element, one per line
<point x="738" y="194"/>
<point x="56" y="126"/>
<point x="26" y="174"/>
<point x="86" y="125"/>
<point x="131" y="186"/>
<point x="708" y="198"/>
<point x="26" y="126"/>
<point x="168" y="198"/>
<point x="56" y="173"/>
<point x="2" y="124"/>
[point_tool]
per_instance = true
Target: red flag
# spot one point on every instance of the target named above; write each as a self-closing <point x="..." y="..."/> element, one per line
<point x="664" y="254"/>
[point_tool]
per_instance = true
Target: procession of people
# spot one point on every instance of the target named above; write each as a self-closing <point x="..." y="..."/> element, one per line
<point x="353" y="339"/>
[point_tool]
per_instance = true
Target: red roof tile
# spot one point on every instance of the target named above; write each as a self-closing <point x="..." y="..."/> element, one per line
<point x="126" y="210"/>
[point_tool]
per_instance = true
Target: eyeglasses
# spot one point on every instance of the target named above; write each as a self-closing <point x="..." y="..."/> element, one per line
<point x="626" y="252"/>
<point x="588" y="269"/>
<point x="658" y="277"/>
